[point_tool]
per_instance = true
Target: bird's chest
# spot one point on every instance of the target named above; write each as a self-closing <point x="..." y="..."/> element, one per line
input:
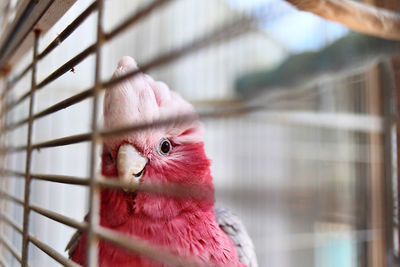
<point x="183" y="236"/>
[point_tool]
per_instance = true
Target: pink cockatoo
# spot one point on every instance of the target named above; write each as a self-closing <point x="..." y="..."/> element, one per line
<point x="172" y="153"/>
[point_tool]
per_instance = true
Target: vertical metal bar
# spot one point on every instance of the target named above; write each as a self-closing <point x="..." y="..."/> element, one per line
<point x="390" y="110"/>
<point x="391" y="88"/>
<point x="367" y="102"/>
<point x="2" y="160"/>
<point x="3" y="115"/>
<point x="28" y="155"/>
<point x="94" y="193"/>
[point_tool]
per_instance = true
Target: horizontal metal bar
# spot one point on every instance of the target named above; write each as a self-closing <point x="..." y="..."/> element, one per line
<point x="4" y="94"/>
<point x="18" y="77"/>
<point x="11" y="223"/>
<point x="158" y="61"/>
<point x="5" y="91"/>
<point x="134" y="244"/>
<point x="10" y="248"/>
<point x="146" y="126"/>
<point x="175" y="190"/>
<point x="338" y="121"/>
<point x="5" y="195"/>
<point x="20" y="29"/>
<point x="170" y="189"/>
<point x="65" y="103"/>
<point x="54" y="108"/>
<point x="64" y="179"/>
<point x="84" y="95"/>
<point x="8" y="172"/>
<point x="69" y="140"/>
<point x="67" y="66"/>
<point x="15" y="103"/>
<point x="73" y="139"/>
<point x="313" y="240"/>
<point x="227" y="31"/>
<point x="196" y="192"/>
<point x="226" y="112"/>
<point x="59" y="39"/>
<point x="223" y="112"/>
<point x="59" y="217"/>
<point x="81" y="18"/>
<point x="2" y="261"/>
<point x="56" y="74"/>
<point x="68" y="30"/>
<point x="52" y="253"/>
<point x="142" y="13"/>
<point x="224" y="32"/>
<point x="15" y="125"/>
<point x="61" y="179"/>
<point x="216" y="113"/>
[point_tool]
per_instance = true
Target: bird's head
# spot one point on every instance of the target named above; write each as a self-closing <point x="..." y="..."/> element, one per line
<point x="171" y="153"/>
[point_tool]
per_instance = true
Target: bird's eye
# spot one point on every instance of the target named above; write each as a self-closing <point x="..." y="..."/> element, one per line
<point x="164" y="147"/>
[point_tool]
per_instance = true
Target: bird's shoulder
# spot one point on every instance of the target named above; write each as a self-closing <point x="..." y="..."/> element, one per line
<point x="235" y="229"/>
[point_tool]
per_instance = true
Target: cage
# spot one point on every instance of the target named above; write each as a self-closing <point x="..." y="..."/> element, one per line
<point x="300" y="117"/>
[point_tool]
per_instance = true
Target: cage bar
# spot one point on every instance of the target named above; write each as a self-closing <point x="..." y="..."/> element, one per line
<point x="68" y="30"/>
<point x="11" y="223"/>
<point x="64" y="179"/>
<point x="30" y="15"/>
<point x="175" y="190"/>
<point x="142" y="13"/>
<point x="14" y="199"/>
<point x="59" y="39"/>
<point x="227" y="31"/>
<point x="94" y="191"/>
<point x="95" y="182"/>
<point x="28" y="156"/>
<point x="2" y="262"/>
<point x="58" y="217"/>
<point x="52" y="252"/>
<point x="140" y="246"/>
<point x="225" y="112"/>
<point x="11" y="249"/>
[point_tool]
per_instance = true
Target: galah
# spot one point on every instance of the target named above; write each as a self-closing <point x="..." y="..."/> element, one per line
<point x="171" y="153"/>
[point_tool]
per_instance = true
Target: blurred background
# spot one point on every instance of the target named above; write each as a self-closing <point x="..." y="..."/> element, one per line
<point x="312" y="173"/>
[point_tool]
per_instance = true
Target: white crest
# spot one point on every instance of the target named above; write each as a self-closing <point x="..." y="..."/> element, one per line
<point x="140" y="99"/>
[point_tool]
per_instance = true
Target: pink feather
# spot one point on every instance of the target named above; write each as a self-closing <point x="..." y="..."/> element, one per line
<point x="183" y="226"/>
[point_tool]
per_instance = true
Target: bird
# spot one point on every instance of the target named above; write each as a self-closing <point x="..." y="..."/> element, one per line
<point x="171" y="153"/>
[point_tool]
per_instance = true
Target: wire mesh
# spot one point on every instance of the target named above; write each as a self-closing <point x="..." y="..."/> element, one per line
<point x="350" y="150"/>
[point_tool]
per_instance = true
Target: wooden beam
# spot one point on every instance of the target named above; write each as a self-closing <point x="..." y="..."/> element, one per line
<point x="356" y="16"/>
<point x="388" y="4"/>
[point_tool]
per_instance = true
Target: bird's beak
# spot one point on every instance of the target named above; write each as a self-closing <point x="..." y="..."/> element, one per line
<point x="130" y="164"/>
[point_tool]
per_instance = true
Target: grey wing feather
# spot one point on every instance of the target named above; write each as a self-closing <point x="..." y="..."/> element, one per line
<point x="234" y="228"/>
<point x="74" y="241"/>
